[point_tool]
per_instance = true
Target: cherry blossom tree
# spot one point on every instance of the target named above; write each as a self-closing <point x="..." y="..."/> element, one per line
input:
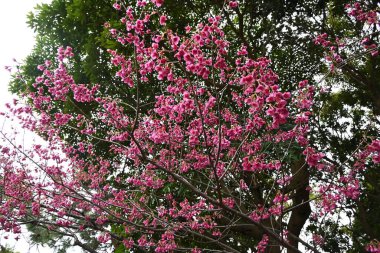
<point x="220" y="161"/>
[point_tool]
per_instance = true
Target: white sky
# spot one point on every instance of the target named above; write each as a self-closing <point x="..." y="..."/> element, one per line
<point x="17" y="41"/>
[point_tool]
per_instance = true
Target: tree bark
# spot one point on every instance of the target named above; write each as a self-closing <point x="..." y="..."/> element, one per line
<point x="302" y="210"/>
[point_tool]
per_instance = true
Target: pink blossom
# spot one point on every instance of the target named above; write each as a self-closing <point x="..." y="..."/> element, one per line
<point x="233" y="4"/>
<point x="116" y="6"/>
<point x="163" y="19"/>
<point x="158" y="3"/>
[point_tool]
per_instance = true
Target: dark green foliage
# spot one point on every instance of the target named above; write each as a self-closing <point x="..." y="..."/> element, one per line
<point x="6" y="249"/>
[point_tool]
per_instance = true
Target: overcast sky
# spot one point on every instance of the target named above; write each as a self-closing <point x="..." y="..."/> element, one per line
<point x="17" y="39"/>
<point x="16" y="42"/>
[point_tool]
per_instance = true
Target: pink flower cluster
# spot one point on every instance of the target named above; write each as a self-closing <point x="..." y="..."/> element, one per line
<point x="181" y="163"/>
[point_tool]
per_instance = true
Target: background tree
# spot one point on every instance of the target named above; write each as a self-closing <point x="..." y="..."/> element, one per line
<point x="284" y="32"/>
